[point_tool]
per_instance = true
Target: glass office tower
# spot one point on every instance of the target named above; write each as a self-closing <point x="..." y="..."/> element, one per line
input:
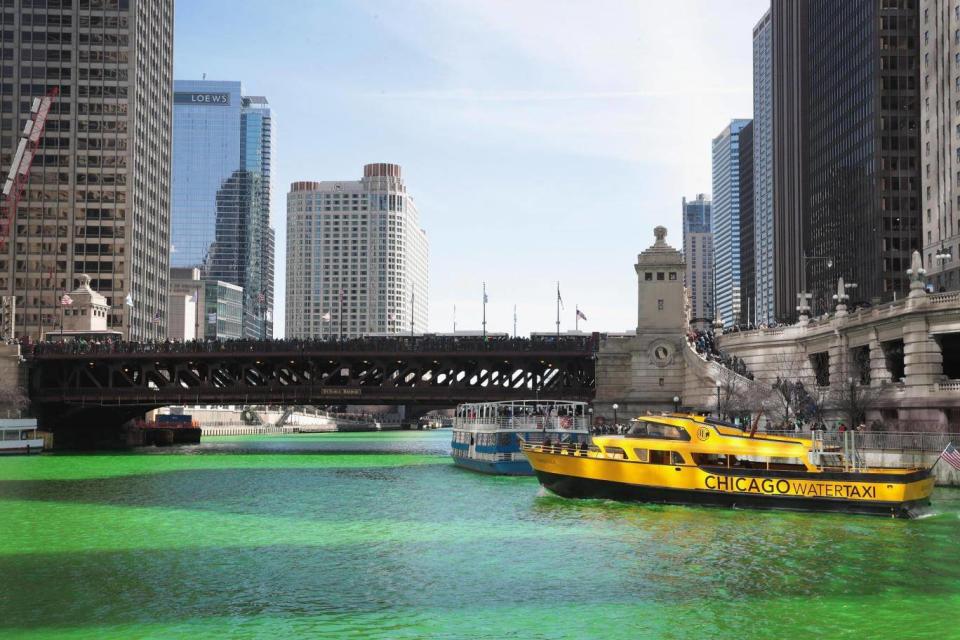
<point x="221" y="192"/>
<point x="726" y="221"/>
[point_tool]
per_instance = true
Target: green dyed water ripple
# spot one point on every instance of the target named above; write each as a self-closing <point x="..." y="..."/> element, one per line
<point x="379" y="536"/>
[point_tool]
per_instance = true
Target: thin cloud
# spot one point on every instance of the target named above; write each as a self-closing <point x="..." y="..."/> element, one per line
<point x="472" y="95"/>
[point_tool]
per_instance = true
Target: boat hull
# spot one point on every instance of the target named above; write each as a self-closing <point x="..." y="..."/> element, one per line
<point x="572" y="487"/>
<point x="21" y="447"/>
<point x="571" y="476"/>
<point x="501" y="468"/>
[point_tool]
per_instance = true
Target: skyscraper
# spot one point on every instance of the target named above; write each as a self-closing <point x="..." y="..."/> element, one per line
<point x="698" y="258"/>
<point x="356" y="257"/>
<point x="764" y="282"/>
<point x="748" y="268"/>
<point x="221" y="192"/>
<point x="940" y="138"/>
<point x="726" y="220"/>
<point x="97" y="201"/>
<point x="788" y="34"/>
<point x="856" y="105"/>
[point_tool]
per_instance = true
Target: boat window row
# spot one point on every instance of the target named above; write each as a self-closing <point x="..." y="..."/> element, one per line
<point x="650" y="456"/>
<point x="644" y="429"/>
<point x="751" y="462"/>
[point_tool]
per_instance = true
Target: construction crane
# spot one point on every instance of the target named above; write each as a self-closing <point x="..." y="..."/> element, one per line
<point x="22" y="159"/>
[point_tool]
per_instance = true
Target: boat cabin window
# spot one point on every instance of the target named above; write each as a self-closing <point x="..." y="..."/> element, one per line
<point x="643" y="455"/>
<point x="616" y="453"/>
<point x="660" y="457"/>
<point x="676" y="458"/>
<point x="644" y="429"/>
<point x="710" y="459"/>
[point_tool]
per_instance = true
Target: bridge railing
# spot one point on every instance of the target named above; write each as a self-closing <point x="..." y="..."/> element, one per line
<point x="425" y="343"/>
<point x="882" y="440"/>
<point x="524" y="423"/>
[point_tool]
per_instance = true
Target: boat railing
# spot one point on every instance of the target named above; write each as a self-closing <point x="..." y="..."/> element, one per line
<point x="566" y="448"/>
<point x="878" y="440"/>
<point x="525" y="423"/>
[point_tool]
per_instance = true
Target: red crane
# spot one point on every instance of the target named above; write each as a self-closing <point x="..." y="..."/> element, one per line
<point x="22" y="159"/>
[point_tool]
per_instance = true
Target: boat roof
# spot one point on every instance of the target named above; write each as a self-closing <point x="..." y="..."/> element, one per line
<point x="700" y="434"/>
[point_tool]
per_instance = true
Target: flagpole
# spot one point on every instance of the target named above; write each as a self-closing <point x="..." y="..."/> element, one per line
<point x="514" y="321"/>
<point x="484" y="309"/>
<point x="413" y="298"/>
<point x="576" y="318"/>
<point x="558" y="310"/>
<point x="937" y="461"/>
<point x="454" y="319"/>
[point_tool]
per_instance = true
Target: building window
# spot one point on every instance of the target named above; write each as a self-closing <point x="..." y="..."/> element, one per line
<point x="660" y="305"/>
<point x="648" y="276"/>
<point x="659" y="275"/>
<point x="673" y="275"/>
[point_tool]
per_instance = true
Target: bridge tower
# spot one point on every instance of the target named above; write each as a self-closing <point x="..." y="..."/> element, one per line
<point x="644" y="371"/>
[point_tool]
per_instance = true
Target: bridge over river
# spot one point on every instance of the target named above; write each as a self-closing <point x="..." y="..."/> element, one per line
<point x="109" y="383"/>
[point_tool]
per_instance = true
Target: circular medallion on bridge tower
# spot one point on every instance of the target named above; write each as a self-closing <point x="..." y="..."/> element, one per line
<point x="661" y="353"/>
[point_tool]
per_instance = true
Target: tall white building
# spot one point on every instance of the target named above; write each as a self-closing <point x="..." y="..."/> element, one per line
<point x="356" y="257"/>
<point x="940" y="141"/>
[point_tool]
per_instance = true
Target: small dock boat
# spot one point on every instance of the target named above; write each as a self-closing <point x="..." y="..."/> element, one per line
<point x="487" y="435"/>
<point x="19" y="435"/>
<point x="693" y="459"/>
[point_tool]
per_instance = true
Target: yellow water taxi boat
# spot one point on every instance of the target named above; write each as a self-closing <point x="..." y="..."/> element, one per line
<point x="693" y="459"/>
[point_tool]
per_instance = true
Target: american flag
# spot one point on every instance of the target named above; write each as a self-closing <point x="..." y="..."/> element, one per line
<point x="66" y="300"/>
<point x="581" y="315"/>
<point x="952" y="456"/>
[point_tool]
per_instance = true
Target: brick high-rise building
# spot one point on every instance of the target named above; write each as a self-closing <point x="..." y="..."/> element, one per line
<point x="98" y="199"/>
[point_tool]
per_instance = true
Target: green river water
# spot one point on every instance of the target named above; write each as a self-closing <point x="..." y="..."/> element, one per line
<point x="380" y="536"/>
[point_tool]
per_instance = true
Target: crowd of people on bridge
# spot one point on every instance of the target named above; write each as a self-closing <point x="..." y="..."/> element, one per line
<point x="422" y="343"/>
<point x="704" y="342"/>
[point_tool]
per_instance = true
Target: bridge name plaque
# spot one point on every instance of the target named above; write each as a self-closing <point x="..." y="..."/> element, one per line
<point x="340" y="392"/>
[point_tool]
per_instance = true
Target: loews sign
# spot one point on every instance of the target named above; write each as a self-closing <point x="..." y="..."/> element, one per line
<point x="188" y="97"/>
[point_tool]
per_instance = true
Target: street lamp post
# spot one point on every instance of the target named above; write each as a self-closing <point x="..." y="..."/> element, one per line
<point x="676" y="404"/>
<point x="719" y="384"/>
<point x="615" y="407"/>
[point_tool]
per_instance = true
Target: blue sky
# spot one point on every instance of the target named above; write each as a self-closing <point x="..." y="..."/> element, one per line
<point x="542" y="141"/>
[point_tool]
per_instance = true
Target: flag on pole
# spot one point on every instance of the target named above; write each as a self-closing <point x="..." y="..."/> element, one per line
<point x="559" y="299"/>
<point x="581" y="315"/>
<point x="325" y="317"/>
<point x="952" y="456"/>
<point x="128" y="300"/>
<point x="486" y="299"/>
<point x="66" y="300"/>
<point x="261" y="298"/>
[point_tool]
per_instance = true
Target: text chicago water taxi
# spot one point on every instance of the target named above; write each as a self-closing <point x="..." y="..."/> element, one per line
<point x="692" y="459"/>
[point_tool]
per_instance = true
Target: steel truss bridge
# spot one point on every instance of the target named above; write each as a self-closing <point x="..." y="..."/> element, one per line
<point x="427" y="371"/>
